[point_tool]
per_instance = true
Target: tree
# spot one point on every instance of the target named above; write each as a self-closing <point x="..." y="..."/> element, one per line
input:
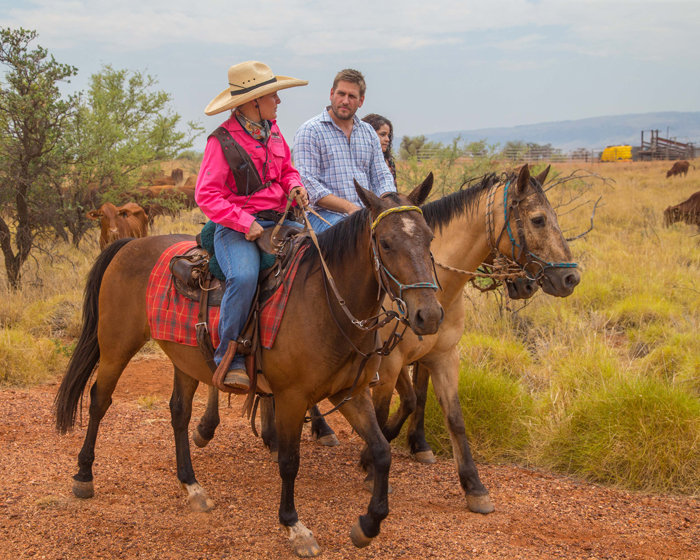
<point x="122" y="127"/>
<point x="33" y="118"/>
<point x="410" y="145"/>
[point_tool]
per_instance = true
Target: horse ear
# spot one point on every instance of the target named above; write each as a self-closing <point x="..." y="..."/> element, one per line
<point x="368" y="198"/>
<point x="94" y="214"/>
<point x="542" y="177"/>
<point x="421" y="192"/>
<point x="523" y="179"/>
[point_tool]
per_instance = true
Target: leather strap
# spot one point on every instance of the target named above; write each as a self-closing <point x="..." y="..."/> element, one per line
<point x="203" y="337"/>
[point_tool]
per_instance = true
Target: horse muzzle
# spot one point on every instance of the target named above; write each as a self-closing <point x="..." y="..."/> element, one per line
<point x="521" y="288"/>
<point x="426" y="319"/>
<point x="560" y="282"/>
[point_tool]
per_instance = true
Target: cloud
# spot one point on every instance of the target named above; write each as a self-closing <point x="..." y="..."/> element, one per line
<point x="644" y="29"/>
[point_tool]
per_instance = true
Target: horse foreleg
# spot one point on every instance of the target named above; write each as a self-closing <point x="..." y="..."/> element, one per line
<point x="267" y="425"/>
<point x="289" y="420"/>
<point x="184" y="388"/>
<point x="416" y="429"/>
<point x="320" y="429"/>
<point x="407" y="405"/>
<point x="445" y="374"/>
<point x="360" y="414"/>
<point x="204" y="432"/>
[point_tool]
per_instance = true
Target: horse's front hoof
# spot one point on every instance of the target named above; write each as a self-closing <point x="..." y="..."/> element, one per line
<point x="329" y="440"/>
<point x="197" y="498"/>
<point x="302" y="541"/>
<point x="83" y="490"/>
<point x="480" y="504"/>
<point x="197" y="438"/>
<point x="369" y="486"/>
<point x="425" y="457"/>
<point x="358" y="538"/>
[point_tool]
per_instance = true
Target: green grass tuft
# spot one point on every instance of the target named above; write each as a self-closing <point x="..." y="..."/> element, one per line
<point x="26" y="360"/>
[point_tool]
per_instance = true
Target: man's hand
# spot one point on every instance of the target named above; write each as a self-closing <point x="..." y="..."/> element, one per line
<point x="301" y="191"/>
<point x="254" y="232"/>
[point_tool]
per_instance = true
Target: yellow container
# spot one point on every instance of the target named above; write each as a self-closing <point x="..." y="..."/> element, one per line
<point x="617" y="153"/>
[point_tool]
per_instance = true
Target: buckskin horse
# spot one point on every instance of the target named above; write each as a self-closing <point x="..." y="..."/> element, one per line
<point x="470" y="226"/>
<point x="312" y="358"/>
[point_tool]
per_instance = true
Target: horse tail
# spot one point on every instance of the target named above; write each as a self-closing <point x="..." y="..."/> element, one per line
<point x="87" y="352"/>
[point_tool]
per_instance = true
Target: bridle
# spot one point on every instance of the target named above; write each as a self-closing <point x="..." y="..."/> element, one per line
<point x="384" y="280"/>
<point x="532" y="260"/>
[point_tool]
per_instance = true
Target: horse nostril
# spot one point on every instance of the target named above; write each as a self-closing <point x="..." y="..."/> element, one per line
<point x="442" y="314"/>
<point x="571" y="280"/>
<point x="420" y="322"/>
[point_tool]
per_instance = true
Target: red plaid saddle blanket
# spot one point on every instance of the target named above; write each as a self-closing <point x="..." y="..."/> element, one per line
<point x="172" y="316"/>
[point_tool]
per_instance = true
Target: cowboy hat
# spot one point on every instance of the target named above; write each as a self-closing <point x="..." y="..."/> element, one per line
<point x="248" y="81"/>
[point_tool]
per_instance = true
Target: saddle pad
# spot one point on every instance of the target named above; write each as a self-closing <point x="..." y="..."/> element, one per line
<point x="172" y="316"/>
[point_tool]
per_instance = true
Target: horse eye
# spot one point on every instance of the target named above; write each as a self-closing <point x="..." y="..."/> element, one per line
<point x="539" y="221"/>
<point x="384" y="245"/>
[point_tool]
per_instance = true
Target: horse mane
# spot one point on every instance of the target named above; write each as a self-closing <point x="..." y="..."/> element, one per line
<point x="442" y="211"/>
<point x="338" y="241"/>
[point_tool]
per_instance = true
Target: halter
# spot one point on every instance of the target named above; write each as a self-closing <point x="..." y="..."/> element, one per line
<point x="530" y="257"/>
<point x="381" y="271"/>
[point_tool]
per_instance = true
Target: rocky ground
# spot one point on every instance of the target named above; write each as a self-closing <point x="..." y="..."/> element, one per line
<point x="139" y="510"/>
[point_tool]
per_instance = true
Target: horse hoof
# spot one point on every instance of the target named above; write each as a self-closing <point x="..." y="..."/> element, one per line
<point x="425" y="457"/>
<point x="358" y="538"/>
<point x="480" y="504"/>
<point x="198" y="440"/>
<point x="274" y="456"/>
<point x="329" y="440"/>
<point x="83" y="490"/>
<point x="369" y="486"/>
<point x="302" y="541"/>
<point x="197" y="498"/>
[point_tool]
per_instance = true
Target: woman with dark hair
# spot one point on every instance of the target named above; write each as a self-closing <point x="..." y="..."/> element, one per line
<point x="385" y="130"/>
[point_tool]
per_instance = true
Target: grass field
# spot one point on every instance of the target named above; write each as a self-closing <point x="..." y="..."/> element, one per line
<point x="604" y="384"/>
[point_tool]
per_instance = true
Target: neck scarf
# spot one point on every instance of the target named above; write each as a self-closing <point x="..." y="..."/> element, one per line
<point x="259" y="131"/>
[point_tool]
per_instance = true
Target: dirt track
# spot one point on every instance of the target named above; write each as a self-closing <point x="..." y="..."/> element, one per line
<point x="139" y="510"/>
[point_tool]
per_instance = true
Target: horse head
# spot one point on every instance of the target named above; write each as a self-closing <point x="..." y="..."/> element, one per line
<point x="401" y="254"/>
<point x="534" y="238"/>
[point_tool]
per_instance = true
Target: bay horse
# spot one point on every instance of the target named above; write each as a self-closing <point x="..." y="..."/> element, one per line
<point x="313" y="357"/>
<point x="466" y="225"/>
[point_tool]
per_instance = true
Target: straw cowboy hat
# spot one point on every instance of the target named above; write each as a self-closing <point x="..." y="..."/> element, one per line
<point x="248" y="81"/>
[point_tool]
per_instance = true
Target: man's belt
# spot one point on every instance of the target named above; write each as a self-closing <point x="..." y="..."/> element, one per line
<point x="274" y="216"/>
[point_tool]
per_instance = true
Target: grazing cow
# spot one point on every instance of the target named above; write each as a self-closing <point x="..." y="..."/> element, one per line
<point x="679" y="168"/>
<point x="191" y="181"/>
<point x="129" y="220"/>
<point x="687" y="211"/>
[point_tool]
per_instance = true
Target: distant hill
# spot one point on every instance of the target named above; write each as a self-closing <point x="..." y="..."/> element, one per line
<point x="596" y="132"/>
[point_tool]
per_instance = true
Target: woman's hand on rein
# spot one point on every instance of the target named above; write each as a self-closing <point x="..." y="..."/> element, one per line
<point x="300" y="191"/>
<point x="254" y="232"/>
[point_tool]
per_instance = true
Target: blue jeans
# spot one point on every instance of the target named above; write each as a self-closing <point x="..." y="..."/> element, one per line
<point x="332" y="217"/>
<point x="239" y="260"/>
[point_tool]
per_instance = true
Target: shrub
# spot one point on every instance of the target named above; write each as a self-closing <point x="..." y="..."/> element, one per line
<point x="25" y="360"/>
<point x="641" y="434"/>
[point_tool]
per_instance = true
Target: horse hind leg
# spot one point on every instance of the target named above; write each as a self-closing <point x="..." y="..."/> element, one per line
<point x="205" y="430"/>
<point x="184" y="388"/>
<point x="320" y="429"/>
<point x="419" y="446"/>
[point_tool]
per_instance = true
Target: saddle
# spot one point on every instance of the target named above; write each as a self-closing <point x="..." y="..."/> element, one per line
<point x="193" y="279"/>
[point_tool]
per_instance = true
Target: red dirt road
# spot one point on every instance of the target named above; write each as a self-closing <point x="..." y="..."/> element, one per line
<point x="139" y="510"/>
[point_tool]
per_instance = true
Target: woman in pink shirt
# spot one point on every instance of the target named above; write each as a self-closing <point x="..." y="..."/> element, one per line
<point x="245" y="200"/>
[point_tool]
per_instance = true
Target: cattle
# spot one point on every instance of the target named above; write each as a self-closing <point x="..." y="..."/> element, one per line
<point x="679" y="168"/>
<point x="687" y="211"/>
<point x="129" y="220"/>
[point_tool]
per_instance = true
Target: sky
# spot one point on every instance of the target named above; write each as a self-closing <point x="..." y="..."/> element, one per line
<point x="430" y="66"/>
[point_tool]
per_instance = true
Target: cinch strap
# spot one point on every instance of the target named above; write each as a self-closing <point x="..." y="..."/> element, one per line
<point x="251" y="88"/>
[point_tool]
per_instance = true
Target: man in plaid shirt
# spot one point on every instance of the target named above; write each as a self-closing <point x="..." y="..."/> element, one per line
<point x="334" y="148"/>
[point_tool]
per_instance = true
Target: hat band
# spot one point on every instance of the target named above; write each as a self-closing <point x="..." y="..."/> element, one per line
<point x="251" y="88"/>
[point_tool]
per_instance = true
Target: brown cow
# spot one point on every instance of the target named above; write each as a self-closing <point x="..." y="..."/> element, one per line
<point x="687" y="211"/>
<point x="118" y="222"/>
<point x="679" y="168"/>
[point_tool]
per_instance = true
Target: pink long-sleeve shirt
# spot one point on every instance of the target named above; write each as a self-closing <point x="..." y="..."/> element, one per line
<point x="216" y="193"/>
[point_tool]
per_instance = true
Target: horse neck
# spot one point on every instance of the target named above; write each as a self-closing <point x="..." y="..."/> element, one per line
<point x="461" y="244"/>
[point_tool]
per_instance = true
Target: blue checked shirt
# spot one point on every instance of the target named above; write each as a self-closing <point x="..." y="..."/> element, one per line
<point x="328" y="163"/>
